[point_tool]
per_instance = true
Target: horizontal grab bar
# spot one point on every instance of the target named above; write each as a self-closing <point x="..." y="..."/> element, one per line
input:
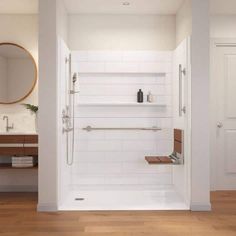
<point x="89" y="128"/>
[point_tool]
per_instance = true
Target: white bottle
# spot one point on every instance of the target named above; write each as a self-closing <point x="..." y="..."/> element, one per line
<point x="150" y="97"/>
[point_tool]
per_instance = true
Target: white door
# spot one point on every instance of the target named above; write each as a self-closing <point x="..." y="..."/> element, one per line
<point x="224" y="125"/>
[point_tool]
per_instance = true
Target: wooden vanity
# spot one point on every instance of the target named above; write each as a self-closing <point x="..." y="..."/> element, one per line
<point x="19" y="145"/>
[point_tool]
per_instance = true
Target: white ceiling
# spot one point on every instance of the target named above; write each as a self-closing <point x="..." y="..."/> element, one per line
<point x="115" y="6"/>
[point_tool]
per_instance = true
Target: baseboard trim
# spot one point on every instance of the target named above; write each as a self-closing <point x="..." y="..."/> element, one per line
<point x="18" y="188"/>
<point x="47" y="207"/>
<point x="200" y="207"/>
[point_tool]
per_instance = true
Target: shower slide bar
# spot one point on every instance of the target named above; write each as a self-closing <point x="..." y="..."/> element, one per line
<point x="89" y="128"/>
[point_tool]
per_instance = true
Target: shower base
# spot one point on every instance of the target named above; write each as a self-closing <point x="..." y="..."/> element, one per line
<point x="118" y="199"/>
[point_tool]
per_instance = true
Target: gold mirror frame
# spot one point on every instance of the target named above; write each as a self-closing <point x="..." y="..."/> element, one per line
<point x="35" y="77"/>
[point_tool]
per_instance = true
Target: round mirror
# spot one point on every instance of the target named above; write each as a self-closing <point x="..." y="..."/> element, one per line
<point x="18" y="73"/>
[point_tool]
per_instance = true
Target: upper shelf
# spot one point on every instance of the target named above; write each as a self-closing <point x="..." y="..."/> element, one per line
<point x="120" y="104"/>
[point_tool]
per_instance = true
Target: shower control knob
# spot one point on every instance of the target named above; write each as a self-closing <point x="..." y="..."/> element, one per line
<point x="219" y="124"/>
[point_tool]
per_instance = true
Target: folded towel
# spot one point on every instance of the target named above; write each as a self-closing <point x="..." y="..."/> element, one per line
<point x="24" y="158"/>
<point x="22" y="162"/>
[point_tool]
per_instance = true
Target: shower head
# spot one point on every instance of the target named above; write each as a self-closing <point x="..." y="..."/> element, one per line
<point x="74" y="78"/>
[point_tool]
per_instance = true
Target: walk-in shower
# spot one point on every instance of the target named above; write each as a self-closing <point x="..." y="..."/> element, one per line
<point x="110" y="139"/>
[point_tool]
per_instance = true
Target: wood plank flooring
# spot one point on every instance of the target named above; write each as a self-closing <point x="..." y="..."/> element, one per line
<point x="18" y="216"/>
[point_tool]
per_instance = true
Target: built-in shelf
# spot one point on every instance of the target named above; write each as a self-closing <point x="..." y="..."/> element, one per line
<point x="9" y="166"/>
<point x="120" y="104"/>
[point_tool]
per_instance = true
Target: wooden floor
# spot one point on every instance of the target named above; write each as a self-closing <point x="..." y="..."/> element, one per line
<point x="18" y="216"/>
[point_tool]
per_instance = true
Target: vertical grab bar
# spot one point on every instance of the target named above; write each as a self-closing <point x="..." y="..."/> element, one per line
<point x="181" y="73"/>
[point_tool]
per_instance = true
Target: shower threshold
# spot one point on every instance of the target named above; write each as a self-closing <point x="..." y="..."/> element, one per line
<point x="100" y="200"/>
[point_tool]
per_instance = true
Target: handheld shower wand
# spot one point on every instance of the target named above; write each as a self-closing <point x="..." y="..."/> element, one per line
<point x="74" y="79"/>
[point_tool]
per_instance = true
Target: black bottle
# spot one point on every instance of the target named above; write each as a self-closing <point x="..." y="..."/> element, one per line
<point x="140" y="96"/>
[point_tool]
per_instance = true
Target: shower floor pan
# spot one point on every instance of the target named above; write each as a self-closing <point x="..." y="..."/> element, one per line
<point x="90" y="200"/>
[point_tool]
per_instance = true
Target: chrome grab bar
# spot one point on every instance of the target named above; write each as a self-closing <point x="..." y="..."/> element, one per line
<point x="181" y="73"/>
<point x="89" y="128"/>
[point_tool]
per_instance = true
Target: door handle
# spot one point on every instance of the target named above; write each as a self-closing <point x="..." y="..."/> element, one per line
<point x="219" y="124"/>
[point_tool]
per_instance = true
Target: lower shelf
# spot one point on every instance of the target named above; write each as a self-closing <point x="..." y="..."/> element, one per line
<point x="9" y="166"/>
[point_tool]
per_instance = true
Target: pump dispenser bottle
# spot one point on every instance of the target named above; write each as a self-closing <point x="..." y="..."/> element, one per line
<point x="140" y="96"/>
<point x="150" y="97"/>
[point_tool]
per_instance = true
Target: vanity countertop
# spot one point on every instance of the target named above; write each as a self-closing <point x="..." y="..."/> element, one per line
<point x="17" y="133"/>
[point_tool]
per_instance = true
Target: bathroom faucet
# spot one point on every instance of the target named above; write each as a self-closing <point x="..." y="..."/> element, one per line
<point x="7" y="123"/>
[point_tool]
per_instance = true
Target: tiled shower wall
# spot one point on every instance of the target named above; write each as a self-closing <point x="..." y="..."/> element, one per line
<point x="105" y="159"/>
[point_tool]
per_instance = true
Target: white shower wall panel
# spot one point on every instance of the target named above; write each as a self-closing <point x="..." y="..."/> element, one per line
<point x="116" y="158"/>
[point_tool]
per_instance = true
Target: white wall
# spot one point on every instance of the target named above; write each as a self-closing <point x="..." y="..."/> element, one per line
<point x="200" y="171"/>
<point x="223" y="26"/>
<point x="22" y="30"/>
<point x="121" y="32"/>
<point x="183" y="22"/>
<point x="51" y="26"/>
<point x="48" y="104"/>
<point x="62" y="21"/>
